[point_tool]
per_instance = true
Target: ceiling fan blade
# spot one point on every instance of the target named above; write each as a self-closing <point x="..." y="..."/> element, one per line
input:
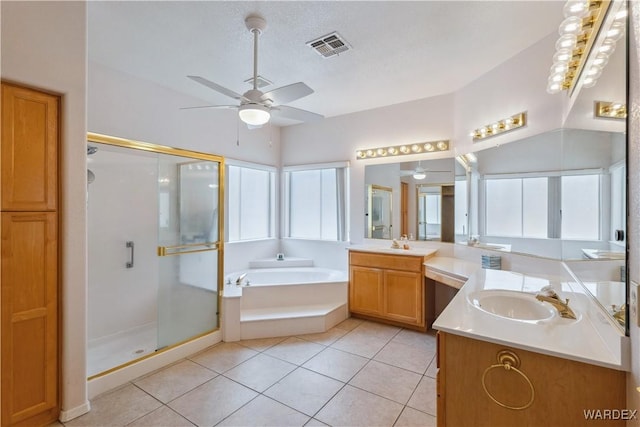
<point x="209" y="106"/>
<point x="295" y="114"/>
<point x="216" y="87"/>
<point x="286" y="94"/>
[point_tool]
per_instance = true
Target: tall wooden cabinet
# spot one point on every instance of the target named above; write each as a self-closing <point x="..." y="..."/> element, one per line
<point x="29" y="273"/>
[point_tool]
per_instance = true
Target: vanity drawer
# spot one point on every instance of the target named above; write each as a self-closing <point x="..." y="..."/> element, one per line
<point x="383" y="261"/>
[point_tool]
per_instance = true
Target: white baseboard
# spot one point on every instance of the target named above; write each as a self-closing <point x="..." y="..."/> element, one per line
<point x="69" y="414"/>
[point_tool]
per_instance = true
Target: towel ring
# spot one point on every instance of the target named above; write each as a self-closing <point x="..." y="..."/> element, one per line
<point x="510" y="362"/>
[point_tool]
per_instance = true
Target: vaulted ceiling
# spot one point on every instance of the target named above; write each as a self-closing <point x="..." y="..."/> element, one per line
<point x="400" y="51"/>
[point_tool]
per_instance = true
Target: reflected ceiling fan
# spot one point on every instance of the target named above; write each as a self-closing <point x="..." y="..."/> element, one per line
<point x="419" y="172"/>
<point x="256" y="107"/>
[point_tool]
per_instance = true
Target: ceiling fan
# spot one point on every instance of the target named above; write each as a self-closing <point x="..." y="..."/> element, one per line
<point x="419" y="172"/>
<point x="256" y="108"/>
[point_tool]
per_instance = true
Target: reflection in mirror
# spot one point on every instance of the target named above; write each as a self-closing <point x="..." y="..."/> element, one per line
<point x="437" y="173"/>
<point x="379" y="211"/>
<point x="556" y="195"/>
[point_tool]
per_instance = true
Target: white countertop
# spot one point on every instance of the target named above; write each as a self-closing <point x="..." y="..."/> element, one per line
<point x="388" y="250"/>
<point x="566" y="338"/>
<point x="454" y="267"/>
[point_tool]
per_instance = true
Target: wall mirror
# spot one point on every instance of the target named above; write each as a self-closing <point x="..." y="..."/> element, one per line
<point x="428" y="203"/>
<point x="570" y="184"/>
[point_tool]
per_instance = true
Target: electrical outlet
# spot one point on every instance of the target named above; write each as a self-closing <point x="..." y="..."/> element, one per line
<point x="633" y="303"/>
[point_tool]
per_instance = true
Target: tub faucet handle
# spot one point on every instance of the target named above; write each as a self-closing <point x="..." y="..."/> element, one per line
<point x="280" y="257"/>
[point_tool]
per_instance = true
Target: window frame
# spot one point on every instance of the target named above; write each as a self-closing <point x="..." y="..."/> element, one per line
<point x="273" y="198"/>
<point x="343" y="198"/>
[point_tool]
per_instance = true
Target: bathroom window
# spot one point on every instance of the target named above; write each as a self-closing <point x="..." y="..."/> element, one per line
<point x="315" y="201"/>
<point x="250" y="201"/>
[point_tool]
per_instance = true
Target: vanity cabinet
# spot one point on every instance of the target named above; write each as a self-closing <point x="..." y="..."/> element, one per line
<point x="475" y="388"/>
<point x="388" y="288"/>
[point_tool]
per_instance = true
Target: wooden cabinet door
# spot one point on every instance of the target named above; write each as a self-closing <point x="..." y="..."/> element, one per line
<point x="403" y="299"/>
<point x="365" y="290"/>
<point x="29" y="294"/>
<point x="29" y="149"/>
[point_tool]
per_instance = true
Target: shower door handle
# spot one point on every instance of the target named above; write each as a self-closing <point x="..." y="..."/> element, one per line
<point x="188" y="249"/>
<point x="130" y="245"/>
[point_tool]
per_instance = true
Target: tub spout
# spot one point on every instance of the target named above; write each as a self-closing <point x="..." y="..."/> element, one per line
<point x="280" y="257"/>
<point x="240" y="279"/>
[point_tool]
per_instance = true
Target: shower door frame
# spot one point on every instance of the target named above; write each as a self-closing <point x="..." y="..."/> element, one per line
<point x="190" y="154"/>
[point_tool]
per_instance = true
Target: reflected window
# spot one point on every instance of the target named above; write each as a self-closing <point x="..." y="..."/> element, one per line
<point x="315" y="202"/>
<point x="581" y="207"/>
<point x="251" y="202"/>
<point x="517" y="207"/>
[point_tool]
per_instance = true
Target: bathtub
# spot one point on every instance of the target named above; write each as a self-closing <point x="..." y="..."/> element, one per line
<point x="275" y="302"/>
<point x="286" y="276"/>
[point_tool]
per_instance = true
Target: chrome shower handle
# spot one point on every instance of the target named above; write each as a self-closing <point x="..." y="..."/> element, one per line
<point x="130" y="245"/>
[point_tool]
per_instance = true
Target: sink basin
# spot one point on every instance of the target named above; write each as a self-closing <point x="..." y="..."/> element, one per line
<point x="512" y="305"/>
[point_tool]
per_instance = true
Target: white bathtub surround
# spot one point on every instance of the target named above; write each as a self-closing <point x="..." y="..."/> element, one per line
<point x="283" y="302"/>
<point x="277" y="263"/>
<point x="581" y="340"/>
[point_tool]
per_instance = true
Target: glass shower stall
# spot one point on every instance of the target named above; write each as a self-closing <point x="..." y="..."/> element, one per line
<point x="155" y="248"/>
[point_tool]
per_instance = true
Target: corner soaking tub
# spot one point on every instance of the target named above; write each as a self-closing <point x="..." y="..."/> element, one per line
<point x="283" y="301"/>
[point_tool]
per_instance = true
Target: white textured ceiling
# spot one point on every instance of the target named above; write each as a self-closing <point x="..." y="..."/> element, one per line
<point x="402" y="51"/>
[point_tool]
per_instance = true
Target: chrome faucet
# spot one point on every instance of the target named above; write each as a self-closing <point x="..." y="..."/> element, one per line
<point x="547" y="294"/>
<point x="240" y="279"/>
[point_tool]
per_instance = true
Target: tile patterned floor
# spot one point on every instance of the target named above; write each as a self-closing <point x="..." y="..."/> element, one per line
<point x="359" y="373"/>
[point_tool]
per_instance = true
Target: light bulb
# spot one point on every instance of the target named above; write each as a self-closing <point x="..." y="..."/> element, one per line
<point x="601" y="60"/>
<point x="571" y="25"/>
<point x="579" y="8"/>
<point x="554" y="87"/>
<point x="568" y="41"/>
<point x="608" y="46"/>
<point x="559" y="68"/>
<point x="416" y="148"/>
<point x="562" y="55"/>
<point x="442" y="145"/>
<point x="428" y="146"/>
<point x="393" y="150"/>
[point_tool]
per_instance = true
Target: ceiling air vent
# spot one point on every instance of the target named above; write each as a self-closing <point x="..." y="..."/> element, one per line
<point x="329" y="45"/>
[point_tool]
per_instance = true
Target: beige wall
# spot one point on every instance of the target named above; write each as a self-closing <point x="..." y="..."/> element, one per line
<point x="44" y="44"/>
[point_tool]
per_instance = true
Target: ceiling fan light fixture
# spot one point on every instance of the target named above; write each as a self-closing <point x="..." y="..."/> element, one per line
<point x="254" y="114"/>
<point x="419" y="175"/>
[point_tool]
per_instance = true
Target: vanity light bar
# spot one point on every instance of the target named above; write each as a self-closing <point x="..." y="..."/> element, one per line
<point x="610" y="110"/>
<point x="501" y="126"/>
<point x="578" y="32"/>
<point x="400" y="150"/>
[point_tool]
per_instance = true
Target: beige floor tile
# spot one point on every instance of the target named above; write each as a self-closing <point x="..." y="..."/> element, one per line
<point x="336" y="364"/>
<point x="117" y="408"/>
<point x="213" y="401"/>
<point x="295" y="350"/>
<point x="426" y="341"/>
<point x="424" y="398"/>
<point x="414" y="418"/>
<point x="163" y="416"/>
<point x="432" y="370"/>
<point x="261" y="344"/>
<point x="349" y="324"/>
<point x="304" y="390"/>
<point x="260" y="372"/>
<point x="355" y="407"/>
<point x="404" y="356"/>
<point x="325" y="338"/>
<point x="224" y="356"/>
<point x="375" y="329"/>
<point x="263" y="411"/>
<point x="360" y="343"/>
<point x="174" y="381"/>
<point x="387" y="381"/>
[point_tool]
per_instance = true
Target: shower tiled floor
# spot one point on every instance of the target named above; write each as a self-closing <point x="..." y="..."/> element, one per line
<point x="359" y="373"/>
